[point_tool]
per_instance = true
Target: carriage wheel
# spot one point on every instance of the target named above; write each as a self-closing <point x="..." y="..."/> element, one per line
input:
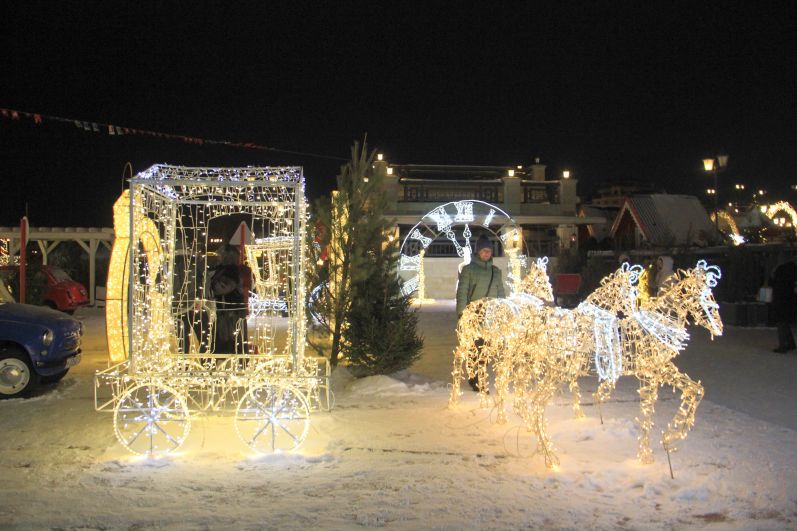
<point x="151" y="420"/>
<point x="272" y="418"/>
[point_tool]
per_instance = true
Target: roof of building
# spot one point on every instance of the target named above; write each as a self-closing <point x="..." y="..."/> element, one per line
<point x="598" y="211"/>
<point x="668" y="219"/>
<point x="752" y="219"/>
<point x="606" y="214"/>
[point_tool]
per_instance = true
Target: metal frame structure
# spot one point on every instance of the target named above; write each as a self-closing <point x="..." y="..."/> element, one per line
<point x="173" y="373"/>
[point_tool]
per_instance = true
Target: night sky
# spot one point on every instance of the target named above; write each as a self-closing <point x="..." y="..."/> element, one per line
<point x="609" y="90"/>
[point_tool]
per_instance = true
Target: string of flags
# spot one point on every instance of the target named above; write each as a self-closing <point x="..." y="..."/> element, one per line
<point x="116" y="130"/>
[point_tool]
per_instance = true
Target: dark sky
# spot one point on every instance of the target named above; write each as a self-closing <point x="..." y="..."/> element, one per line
<point x="607" y="89"/>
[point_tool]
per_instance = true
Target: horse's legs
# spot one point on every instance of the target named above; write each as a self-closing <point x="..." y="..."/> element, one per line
<point x="535" y="419"/>
<point x="480" y="371"/>
<point x="684" y="419"/>
<point x="575" y="391"/>
<point x="502" y="367"/>
<point x="461" y="353"/>
<point x="602" y="394"/>
<point x="648" y="394"/>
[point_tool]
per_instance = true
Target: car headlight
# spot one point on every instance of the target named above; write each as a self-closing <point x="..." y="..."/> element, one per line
<point x="47" y="338"/>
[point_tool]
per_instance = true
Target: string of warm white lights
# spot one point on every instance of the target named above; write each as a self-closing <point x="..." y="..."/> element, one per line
<point x="536" y="348"/>
<point x="178" y="366"/>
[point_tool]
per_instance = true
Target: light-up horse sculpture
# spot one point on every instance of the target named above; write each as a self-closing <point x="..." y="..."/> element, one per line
<point x="653" y="336"/>
<point x="536" y="347"/>
<point x="615" y="298"/>
<point x="489" y="328"/>
<point x="566" y="344"/>
<point x="650" y="338"/>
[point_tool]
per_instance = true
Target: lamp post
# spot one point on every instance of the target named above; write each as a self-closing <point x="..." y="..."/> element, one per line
<point x="714" y="165"/>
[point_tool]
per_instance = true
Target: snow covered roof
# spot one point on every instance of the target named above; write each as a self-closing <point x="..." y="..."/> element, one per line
<point x="667" y="219"/>
<point x="597" y="211"/>
<point x="753" y="219"/>
<point x="599" y="230"/>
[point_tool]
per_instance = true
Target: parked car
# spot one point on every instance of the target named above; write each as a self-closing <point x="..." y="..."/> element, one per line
<point x="48" y="285"/>
<point x="37" y="345"/>
<point x="62" y="292"/>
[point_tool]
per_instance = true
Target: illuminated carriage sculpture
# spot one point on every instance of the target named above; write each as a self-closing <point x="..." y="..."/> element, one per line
<point x="160" y="317"/>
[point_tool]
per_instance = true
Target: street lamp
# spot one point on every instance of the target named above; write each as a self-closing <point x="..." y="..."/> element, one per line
<point x="714" y="165"/>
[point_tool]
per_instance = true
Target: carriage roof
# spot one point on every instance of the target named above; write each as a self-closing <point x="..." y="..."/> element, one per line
<point x="187" y="176"/>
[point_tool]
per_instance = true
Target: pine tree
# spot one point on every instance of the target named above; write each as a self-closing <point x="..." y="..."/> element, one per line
<point x="348" y="225"/>
<point x="382" y="335"/>
<point x="354" y="272"/>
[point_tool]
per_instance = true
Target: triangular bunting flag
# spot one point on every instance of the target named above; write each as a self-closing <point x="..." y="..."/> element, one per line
<point x="242" y="233"/>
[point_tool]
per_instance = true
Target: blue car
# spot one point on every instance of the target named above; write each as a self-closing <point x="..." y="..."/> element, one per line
<point x="37" y="345"/>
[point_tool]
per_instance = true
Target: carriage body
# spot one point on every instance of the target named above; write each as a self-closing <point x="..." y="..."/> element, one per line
<point x="190" y="350"/>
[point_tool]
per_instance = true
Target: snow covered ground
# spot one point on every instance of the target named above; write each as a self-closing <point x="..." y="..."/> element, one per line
<point x="391" y="454"/>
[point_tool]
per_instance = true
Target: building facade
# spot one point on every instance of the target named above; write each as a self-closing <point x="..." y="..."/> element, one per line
<point x="545" y="209"/>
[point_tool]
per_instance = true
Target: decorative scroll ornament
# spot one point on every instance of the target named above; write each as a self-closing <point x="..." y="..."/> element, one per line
<point x="410" y="286"/>
<point x="425" y="241"/>
<point x="441" y="217"/>
<point x="488" y="218"/>
<point x="464" y="211"/>
<point x="410" y="263"/>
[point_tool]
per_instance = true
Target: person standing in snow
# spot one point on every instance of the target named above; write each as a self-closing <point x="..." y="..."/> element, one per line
<point x="665" y="275"/>
<point x="478" y="280"/>
<point x="229" y="288"/>
<point x="783" y="304"/>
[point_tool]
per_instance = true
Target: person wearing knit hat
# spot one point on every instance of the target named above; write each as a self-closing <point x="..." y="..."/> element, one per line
<point x="478" y="280"/>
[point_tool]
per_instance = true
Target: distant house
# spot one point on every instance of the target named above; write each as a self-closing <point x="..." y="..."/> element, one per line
<point x="600" y="230"/>
<point x="771" y="224"/>
<point x="614" y="193"/>
<point x="662" y="220"/>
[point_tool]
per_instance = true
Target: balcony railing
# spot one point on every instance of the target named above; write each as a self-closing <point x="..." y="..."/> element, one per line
<point x="442" y="192"/>
<point x="541" y="192"/>
<point x="533" y="192"/>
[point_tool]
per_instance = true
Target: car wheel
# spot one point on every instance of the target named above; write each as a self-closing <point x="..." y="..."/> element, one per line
<point x="54" y="378"/>
<point x="17" y="377"/>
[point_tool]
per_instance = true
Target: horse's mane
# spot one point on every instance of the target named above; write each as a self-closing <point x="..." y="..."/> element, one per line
<point x="536" y="282"/>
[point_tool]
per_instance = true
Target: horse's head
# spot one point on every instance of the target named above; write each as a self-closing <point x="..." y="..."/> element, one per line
<point x="708" y="315"/>
<point x="691" y="297"/>
<point x="536" y="281"/>
<point x="617" y="292"/>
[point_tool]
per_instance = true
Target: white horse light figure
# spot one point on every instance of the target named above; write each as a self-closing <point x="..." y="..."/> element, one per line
<point x="490" y="327"/>
<point x="537" y="348"/>
<point x="655" y="335"/>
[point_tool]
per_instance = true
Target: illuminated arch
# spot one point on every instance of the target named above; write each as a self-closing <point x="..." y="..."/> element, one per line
<point x="782" y="206"/>
<point x="445" y="220"/>
<point x="116" y="304"/>
<point x="728" y="225"/>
